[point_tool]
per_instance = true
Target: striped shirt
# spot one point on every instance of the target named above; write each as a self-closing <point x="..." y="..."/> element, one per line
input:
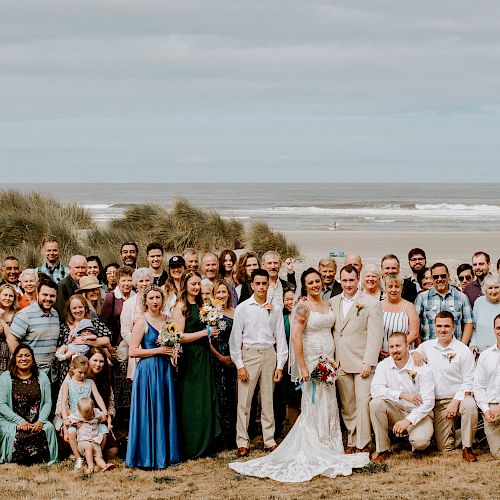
<point x="429" y="303"/>
<point x="40" y="331"/>
<point x="395" y="322"/>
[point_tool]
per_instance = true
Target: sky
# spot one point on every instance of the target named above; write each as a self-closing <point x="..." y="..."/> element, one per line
<point x="240" y="91"/>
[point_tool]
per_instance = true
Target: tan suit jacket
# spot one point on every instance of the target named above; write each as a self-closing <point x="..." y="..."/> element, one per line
<point x="359" y="336"/>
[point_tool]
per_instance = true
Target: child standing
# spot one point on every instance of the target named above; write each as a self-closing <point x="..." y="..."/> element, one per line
<point x="72" y="390"/>
<point x="89" y="436"/>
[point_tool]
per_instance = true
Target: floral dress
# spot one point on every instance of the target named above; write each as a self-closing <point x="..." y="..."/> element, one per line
<point x="29" y="447"/>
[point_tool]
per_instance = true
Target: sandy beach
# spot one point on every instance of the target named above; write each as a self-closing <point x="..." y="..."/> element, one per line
<point x="452" y="248"/>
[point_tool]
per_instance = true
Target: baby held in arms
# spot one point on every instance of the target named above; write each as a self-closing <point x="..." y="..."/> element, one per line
<point x="84" y="331"/>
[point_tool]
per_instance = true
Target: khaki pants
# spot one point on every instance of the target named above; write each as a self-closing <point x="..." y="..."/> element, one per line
<point x="261" y="365"/>
<point x="354" y="393"/>
<point x="444" y="429"/>
<point x="492" y="431"/>
<point x="384" y="414"/>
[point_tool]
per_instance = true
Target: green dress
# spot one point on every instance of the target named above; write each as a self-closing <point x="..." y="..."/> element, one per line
<point x="198" y="409"/>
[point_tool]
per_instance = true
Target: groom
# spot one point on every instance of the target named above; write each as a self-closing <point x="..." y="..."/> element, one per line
<point x="358" y="332"/>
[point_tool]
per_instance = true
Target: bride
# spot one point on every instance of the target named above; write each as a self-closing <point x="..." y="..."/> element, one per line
<point x="314" y="444"/>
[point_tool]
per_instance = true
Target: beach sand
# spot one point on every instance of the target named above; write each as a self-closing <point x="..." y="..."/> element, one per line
<point x="452" y="248"/>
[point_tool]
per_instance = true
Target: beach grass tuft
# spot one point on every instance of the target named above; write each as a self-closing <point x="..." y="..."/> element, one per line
<point x="260" y="239"/>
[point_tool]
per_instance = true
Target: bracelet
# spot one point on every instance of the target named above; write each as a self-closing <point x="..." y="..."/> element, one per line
<point x="209" y="330"/>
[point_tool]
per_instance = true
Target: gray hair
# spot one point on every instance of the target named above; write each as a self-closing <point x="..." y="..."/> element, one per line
<point x="327" y="261"/>
<point x="393" y="277"/>
<point x="371" y="268"/>
<point x="207" y="282"/>
<point x="270" y="253"/>
<point x="29" y="272"/>
<point x="490" y="280"/>
<point x="139" y="273"/>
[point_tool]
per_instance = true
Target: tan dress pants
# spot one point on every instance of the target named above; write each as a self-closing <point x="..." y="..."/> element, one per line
<point x="492" y="431"/>
<point x="261" y="365"/>
<point x="354" y="394"/>
<point x="384" y="414"/>
<point x="444" y="429"/>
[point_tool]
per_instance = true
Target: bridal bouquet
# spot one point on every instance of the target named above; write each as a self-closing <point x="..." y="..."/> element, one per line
<point x="169" y="336"/>
<point x="212" y="313"/>
<point x="326" y="371"/>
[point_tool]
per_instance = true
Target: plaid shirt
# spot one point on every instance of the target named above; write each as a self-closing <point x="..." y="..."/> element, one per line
<point x="56" y="273"/>
<point x="429" y="303"/>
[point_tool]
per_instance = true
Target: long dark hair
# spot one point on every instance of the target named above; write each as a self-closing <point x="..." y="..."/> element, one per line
<point x="310" y="270"/>
<point x="102" y="380"/>
<point x="12" y="367"/>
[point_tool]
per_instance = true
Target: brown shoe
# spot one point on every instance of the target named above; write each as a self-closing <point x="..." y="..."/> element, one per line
<point x="350" y="450"/>
<point x="366" y="449"/>
<point x="382" y="456"/>
<point x="271" y="448"/>
<point x="242" y="452"/>
<point x="469" y="455"/>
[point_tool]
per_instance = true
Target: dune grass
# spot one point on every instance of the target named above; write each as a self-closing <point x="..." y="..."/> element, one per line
<point x="26" y="220"/>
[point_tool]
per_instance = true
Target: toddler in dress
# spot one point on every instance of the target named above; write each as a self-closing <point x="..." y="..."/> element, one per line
<point x="89" y="435"/>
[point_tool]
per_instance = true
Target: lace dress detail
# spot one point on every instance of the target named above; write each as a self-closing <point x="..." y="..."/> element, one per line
<point x="314" y="444"/>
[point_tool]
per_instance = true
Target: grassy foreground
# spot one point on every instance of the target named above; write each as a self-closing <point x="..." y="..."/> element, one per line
<point x="434" y="476"/>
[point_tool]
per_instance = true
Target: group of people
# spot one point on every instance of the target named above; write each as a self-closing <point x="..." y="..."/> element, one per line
<point x="84" y="365"/>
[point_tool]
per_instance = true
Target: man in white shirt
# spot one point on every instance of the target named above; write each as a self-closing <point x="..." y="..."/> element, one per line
<point x="403" y="399"/>
<point x="259" y="350"/>
<point x="452" y="364"/>
<point x="487" y="390"/>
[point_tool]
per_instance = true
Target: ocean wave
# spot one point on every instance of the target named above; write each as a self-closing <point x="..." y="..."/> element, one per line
<point x="97" y="207"/>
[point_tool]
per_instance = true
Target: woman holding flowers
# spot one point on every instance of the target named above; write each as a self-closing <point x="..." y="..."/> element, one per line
<point x="314" y="444"/>
<point x="225" y="371"/>
<point x="153" y="441"/>
<point x="198" y="409"/>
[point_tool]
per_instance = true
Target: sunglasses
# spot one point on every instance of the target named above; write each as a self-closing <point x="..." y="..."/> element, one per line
<point x="439" y="276"/>
<point x="468" y="277"/>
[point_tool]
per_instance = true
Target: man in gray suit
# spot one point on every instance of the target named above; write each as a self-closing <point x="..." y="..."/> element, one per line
<point x="358" y="333"/>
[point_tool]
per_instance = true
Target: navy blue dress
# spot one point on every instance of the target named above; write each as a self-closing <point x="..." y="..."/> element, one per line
<point x="152" y="438"/>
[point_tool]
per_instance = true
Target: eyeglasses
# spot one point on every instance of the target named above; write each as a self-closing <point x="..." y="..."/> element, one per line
<point x="467" y="277"/>
<point x="439" y="276"/>
<point x="417" y="259"/>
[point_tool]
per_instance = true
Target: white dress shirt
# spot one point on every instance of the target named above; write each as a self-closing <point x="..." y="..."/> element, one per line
<point x="254" y="326"/>
<point x="390" y="381"/>
<point x="452" y="366"/>
<point x="487" y="378"/>
<point x="346" y="304"/>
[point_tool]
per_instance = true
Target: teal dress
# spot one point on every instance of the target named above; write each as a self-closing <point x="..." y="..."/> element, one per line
<point x="198" y="409"/>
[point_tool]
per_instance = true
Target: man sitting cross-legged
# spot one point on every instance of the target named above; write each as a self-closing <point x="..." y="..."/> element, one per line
<point x="403" y="399"/>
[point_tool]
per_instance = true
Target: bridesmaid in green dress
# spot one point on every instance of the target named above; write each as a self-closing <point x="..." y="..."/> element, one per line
<point x="199" y="427"/>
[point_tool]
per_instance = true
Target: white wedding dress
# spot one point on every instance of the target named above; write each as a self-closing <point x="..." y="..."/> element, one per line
<point x="314" y="444"/>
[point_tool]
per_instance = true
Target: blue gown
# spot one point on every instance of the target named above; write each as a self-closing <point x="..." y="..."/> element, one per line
<point x="152" y="438"/>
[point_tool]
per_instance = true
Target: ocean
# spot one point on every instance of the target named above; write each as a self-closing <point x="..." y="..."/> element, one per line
<point x="299" y="207"/>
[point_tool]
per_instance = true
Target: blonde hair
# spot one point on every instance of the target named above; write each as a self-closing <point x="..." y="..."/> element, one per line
<point x="152" y="288"/>
<point x="78" y="362"/>
<point x="85" y="406"/>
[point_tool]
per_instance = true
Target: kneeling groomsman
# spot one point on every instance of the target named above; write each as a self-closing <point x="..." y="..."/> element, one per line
<point x="403" y="398"/>
<point x="452" y="364"/>
<point x="487" y="390"/>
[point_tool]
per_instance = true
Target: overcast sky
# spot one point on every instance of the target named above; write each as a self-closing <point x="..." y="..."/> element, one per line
<point x="237" y="90"/>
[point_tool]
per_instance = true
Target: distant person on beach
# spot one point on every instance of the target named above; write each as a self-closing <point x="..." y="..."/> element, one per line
<point x="487" y="390"/>
<point x="327" y="268"/>
<point x="443" y="297"/>
<point x="424" y="278"/>
<point x="210" y="266"/>
<point x="417" y="260"/>
<point x="10" y="273"/>
<point x="390" y="265"/>
<point x="154" y="256"/>
<point x="354" y="260"/>
<point x="69" y="285"/>
<point x="481" y="268"/>
<point x="271" y="262"/>
<point x="465" y="275"/>
<point x="129" y="252"/>
<point x="247" y="263"/>
<point x="371" y="282"/>
<point x="53" y="267"/>
<point x="191" y="259"/>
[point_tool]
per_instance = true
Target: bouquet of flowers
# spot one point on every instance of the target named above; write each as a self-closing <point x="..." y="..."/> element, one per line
<point x="326" y="371"/>
<point x="212" y="313"/>
<point x="170" y="336"/>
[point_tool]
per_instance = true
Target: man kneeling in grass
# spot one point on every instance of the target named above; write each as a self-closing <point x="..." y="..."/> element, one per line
<point x="402" y="399"/>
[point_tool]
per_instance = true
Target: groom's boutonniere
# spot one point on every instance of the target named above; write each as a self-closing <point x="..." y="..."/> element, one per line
<point x="359" y="307"/>
<point x="269" y="307"/>
<point x="449" y="355"/>
<point x="413" y="375"/>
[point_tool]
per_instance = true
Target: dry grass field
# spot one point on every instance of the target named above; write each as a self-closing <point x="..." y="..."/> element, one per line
<point x="432" y="477"/>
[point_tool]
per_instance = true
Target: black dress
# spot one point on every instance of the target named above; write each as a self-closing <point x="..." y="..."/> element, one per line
<point x="226" y="387"/>
<point x="29" y="447"/>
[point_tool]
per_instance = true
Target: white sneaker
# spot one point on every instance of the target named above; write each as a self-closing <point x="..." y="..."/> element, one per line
<point x="78" y="463"/>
